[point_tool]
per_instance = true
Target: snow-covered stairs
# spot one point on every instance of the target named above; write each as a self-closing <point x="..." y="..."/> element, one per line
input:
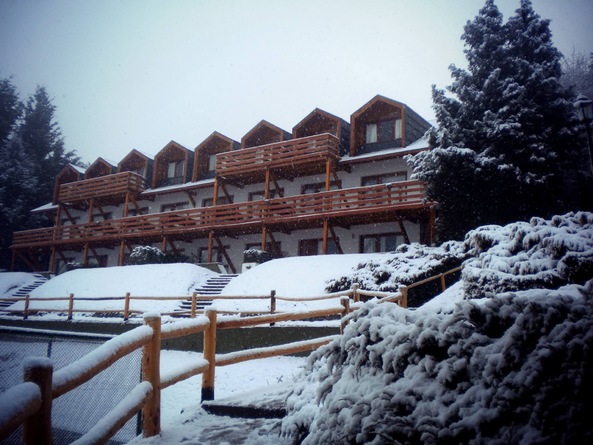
<point x="213" y="286"/>
<point x="24" y="290"/>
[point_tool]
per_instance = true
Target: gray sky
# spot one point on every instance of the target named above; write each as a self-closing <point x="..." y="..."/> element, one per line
<point x="136" y="74"/>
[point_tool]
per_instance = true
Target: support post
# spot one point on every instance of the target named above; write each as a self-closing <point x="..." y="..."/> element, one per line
<point x="122" y="251"/>
<point x="210" y="356"/>
<point x="443" y="283"/>
<point x="26" y="309"/>
<point x="355" y="294"/>
<point x="345" y="301"/>
<point x="37" y="428"/>
<point x="127" y="306"/>
<point x="151" y="413"/>
<point x="70" y="306"/>
<point x="324" y="238"/>
<point x="194" y="302"/>
<point x="404" y="291"/>
<point x="272" y="304"/>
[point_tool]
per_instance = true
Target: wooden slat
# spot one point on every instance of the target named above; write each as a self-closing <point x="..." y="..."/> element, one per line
<point x="370" y="200"/>
<point x="103" y="186"/>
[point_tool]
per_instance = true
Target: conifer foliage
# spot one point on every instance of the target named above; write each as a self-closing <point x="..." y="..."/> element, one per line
<point x="31" y="155"/>
<point x="507" y="146"/>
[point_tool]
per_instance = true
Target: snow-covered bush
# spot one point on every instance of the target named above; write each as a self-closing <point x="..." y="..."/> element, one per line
<point x="146" y="255"/>
<point x="541" y="254"/>
<point x="408" y="264"/>
<point x="512" y="369"/>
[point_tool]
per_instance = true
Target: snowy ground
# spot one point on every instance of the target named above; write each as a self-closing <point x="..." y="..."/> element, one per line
<point x="514" y="366"/>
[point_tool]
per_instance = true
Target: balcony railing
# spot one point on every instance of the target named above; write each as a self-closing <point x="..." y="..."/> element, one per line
<point x="291" y="154"/>
<point x="300" y="209"/>
<point x="104" y="186"/>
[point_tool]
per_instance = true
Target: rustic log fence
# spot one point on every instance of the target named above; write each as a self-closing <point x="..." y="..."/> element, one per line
<point x="29" y="403"/>
<point x="355" y="293"/>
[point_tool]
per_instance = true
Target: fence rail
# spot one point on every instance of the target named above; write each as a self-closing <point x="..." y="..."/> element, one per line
<point x="30" y="403"/>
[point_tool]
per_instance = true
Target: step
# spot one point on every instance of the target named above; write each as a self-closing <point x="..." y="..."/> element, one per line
<point x="267" y="403"/>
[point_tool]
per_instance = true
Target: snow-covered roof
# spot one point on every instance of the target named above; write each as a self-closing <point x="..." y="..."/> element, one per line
<point x="179" y="187"/>
<point x="45" y="208"/>
<point x="420" y="144"/>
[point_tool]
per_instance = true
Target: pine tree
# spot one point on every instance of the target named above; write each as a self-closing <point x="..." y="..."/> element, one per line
<point x="41" y="139"/>
<point x="507" y="135"/>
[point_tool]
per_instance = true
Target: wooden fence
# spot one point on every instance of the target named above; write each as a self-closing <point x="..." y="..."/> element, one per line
<point x="125" y="311"/>
<point x="30" y="403"/>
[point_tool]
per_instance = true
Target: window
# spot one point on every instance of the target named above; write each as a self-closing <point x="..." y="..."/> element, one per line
<point x="217" y="255"/>
<point x="384" y="131"/>
<point x="211" y="163"/>
<point x="384" y="178"/>
<point x="174" y="206"/>
<point x="136" y="212"/>
<point x="275" y="249"/>
<point x="386" y="242"/>
<point x="209" y="202"/>
<point x="259" y="195"/>
<point x="308" y="247"/>
<point x="175" y="169"/>
<point x="139" y="171"/>
<point x="320" y="187"/>
<point x="98" y="217"/>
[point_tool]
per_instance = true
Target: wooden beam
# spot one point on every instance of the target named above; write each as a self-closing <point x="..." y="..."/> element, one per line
<point x="324" y="238"/>
<point x="52" y="260"/>
<point x="85" y="255"/>
<point x="264" y="237"/>
<point x="215" y="197"/>
<point x="210" y="242"/>
<point x="328" y="165"/>
<point x="90" y="215"/>
<point x="336" y="240"/>
<point x="122" y="247"/>
<point x="126" y="204"/>
<point x="190" y="195"/>
<point x="279" y="191"/>
<point x="402" y="228"/>
<point x="224" y="252"/>
<point x="225" y="191"/>
<point x="267" y="184"/>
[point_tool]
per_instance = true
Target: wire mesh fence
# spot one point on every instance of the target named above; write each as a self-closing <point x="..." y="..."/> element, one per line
<point x="77" y="411"/>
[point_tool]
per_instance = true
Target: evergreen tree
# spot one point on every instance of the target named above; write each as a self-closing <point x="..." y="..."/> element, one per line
<point x="10" y="109"/>
<point x="507" y="136"/>
<point x="41" y="140"/>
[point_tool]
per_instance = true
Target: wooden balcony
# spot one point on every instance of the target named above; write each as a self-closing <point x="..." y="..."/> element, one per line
<point x="287" y="158"/>
<point x="349" y="206"/>
<point x="110" y="186"/>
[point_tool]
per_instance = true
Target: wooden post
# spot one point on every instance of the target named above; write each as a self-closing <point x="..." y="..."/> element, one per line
<point x="345" y="301"/>
<point x="127" y="306"/>
<point x="26" y="309"/>
<point x="70" y="306"/>
<point x="210" y="356"/>
<point x="210" y="243"/>
<point x="194" y="302"/>
<point x="443" y="283"/>
<point x="151" y="413"/>
<point x="328" y="166"/>
<point x="355" y="294"/>
<point x="122" y="252"/>
<point x="37" y="428"/>
<point x="404" y="291"/>
<point x="324" y="237"/>
<point x="52" y="260"/>
<point x="272" y="304"/>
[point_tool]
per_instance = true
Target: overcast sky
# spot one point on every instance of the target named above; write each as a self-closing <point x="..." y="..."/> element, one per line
<point x="138" y="73"/>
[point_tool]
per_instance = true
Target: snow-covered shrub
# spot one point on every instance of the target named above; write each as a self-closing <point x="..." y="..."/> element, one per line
<point x="256" y="256"/>
<point x="541" y="254"/>
<point x="408" y="264"/>
<point x="512" y="369"/>
<point x="146" y="255"/>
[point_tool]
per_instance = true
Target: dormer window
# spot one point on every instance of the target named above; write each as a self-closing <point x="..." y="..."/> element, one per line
<point x="175" y="171"/>
<point x="384" y="131"/>
<point x="212" y="163"/>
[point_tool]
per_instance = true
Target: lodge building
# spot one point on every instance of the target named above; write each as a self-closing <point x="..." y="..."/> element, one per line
<point x="328" y="187"/>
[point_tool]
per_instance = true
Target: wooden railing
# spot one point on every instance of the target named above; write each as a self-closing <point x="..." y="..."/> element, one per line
<point x="103" y="186"/>
<point x="29" y="403"/>
<point x="300" y="208"/>
<point x="286" y="154"/>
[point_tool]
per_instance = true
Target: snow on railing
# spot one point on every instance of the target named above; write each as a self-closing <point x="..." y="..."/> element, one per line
<point x="29" y="403"/>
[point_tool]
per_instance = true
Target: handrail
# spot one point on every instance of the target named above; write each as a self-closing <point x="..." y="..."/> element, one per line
<point x="310" y="207"/>
<point x="102" y="186"/>
<point x="28" y="398"/>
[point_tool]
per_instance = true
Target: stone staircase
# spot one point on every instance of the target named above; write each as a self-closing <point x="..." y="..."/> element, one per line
<point x="24" y="290"/>
<point x="213" y="286"/>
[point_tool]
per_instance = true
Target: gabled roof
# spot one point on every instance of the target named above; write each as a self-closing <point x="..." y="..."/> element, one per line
<point x="219" y="138"/>
<point x="265" y="129"/>
<point x="172" y="145"/>
<point x="100" y="167"/>
<point x="317" y="113"/>
<point x="132" y="154"/>
<point x="375" y="101"/>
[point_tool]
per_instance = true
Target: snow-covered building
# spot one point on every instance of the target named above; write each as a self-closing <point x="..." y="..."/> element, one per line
<point x="330" y="186"/>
